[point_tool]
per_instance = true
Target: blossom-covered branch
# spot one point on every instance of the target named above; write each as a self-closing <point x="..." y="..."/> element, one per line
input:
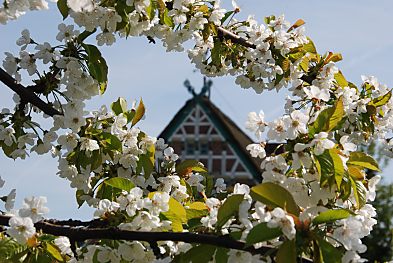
<point x="313" y="197"/>
<point x="90" y="231"/>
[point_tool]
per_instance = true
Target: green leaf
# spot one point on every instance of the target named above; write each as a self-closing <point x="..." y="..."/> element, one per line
<point x="54" y="251"/>
<point x="216" y="52"/>
<point x="63" y="8"/>
<point x="363" y="160"/>
<point x="226" y="16"/>
<point x="382" y="100"/>
<point x="267" y="19"/>
<point x="140" y="111"/>
<point x="305" y="64"/>
<point x="151" y="10"/>
<point x="221" y="255"/>
<point x="340" y="79"/>
<point x="356" y="172"/>
<point x="359" y="191"/>
<point x="78" y="195"/>
<point x="274" y="195"/>
<point x="326" y="169"/>
<point x="287" y="252"/>
<point x="329" y="118"/>
<point x="130" y="115"/>
<point x="119" y="106"/>
<point x="187" y="166"/>
<point x="310" y="47"/>
<point x="198" y="254"/>
<point x="165" y="19"/>
<point x="338" y="166"/>
<point x="120" y="183"/>
<point x="105" y="191"/>
<point x="329" y="253"/>
<point x="196" y="210"/>
<point x="8" y="150"/>
<point x="331" y="216"/>
<point x="262" y="232"/>
<point x="286" y="64"/>
<point x="111" y="142"/>
<point x="228" y="209"/>
<point x="96" y="64"/>
<point x="146" y="161"/>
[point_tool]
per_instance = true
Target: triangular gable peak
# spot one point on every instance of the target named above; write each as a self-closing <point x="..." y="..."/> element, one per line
<point x="198" y="138"/>
<point x="201" y="131"/>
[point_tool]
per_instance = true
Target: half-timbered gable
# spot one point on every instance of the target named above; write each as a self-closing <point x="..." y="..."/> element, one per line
<point x="200" y="131"/>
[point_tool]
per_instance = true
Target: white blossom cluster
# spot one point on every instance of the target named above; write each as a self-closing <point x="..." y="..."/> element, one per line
<point x="12" y="9"/>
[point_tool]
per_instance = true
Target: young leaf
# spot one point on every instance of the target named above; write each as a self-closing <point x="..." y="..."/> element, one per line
<point x="188" y="166"/>
<point x="340" y="79"/>
<point x="382" y="100"/>
<point x="335" y="57"/>
<point x="229" y="208"/>
<point x="177" y="214"/>
<point x="363" y="160"/>
<point x="140" y="111"/>
<point x="297" y="24"/>
<point x="262" y="232"/>
<point x="274" y="195"/>
<point x="331" y="216"/>
<point x="356" y="172"/>
<point x="120" y="183"/>
<point x="54" y="252"/>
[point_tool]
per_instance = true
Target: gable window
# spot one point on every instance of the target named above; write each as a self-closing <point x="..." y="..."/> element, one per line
<point x="190" y="147"/>
<point x="203" y="146"/>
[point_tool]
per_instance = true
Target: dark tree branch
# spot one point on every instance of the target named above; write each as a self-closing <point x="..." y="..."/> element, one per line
<point x="27" y="95"/>
<point x="81" y="230"/>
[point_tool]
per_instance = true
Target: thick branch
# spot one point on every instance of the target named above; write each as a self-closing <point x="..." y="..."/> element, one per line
<point x="27" y="95"/>
<point x="81" y="230"/>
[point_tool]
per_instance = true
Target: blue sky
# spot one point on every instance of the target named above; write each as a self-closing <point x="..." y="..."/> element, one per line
<point x="358" y="29"/>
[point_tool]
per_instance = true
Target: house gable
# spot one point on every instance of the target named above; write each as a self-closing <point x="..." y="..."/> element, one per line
<point x="201" y="131"/>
